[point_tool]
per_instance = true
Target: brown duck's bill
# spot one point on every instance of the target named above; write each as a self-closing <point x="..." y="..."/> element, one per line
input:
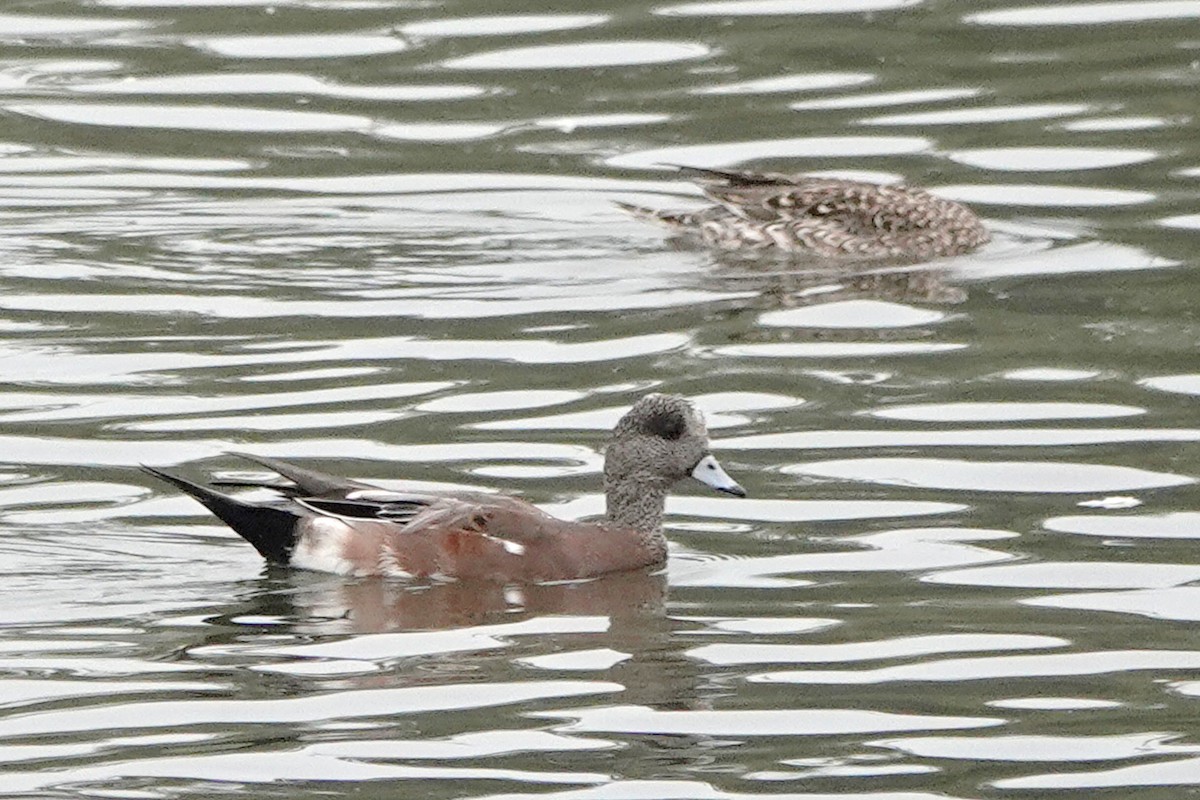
<point x="710" y="473"/>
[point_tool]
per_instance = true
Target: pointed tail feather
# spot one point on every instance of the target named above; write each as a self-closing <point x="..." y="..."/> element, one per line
<point x="270" y="529"/>
<point x="284" y="487"/>
<point x="641" y="212"/>
<point x="310" y="481"/>
<point x="732" y="177"/>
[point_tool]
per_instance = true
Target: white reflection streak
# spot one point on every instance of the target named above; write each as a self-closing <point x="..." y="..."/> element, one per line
<point x="1002" y="667"/>
<point x="902" y="647"/>
<point x="1088" y="13"/>
<point x="1035" y="477"/>
<point x="1067" y="749"/>
<point x="1176" y="603"/>
<point x="756" y="722"/>
<point x="898" y="551"/>
<point x="1184" y="772"/>
<point x="272" y="767"/>
<point x="967" y="437"/>
<point x="355" y="704"/>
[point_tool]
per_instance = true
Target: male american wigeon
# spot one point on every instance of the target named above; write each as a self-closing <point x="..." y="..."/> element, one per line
<point x="330" y="524"/>
<point x="823" y="217"/>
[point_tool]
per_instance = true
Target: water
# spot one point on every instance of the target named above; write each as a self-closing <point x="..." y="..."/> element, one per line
<point x="379" y="237"/>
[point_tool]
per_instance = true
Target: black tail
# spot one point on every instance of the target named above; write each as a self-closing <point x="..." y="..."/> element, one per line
<point x="271" y="530"/>
<point x="310" y="481"/>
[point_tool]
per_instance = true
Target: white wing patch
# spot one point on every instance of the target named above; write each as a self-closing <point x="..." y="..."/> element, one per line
<point x="510" y="547"/>
<point x="378" y="496"/>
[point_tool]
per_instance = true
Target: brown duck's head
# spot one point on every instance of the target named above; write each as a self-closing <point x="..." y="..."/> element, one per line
<point x="661" y="440"/>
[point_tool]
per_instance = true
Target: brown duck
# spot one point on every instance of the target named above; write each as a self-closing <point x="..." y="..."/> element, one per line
<point x="823" y="217"/>
<point x="330" y="524"/>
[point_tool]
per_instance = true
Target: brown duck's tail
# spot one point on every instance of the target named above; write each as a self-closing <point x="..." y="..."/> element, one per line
<point x="271" y="529"/>
<point x="308" y="481"/>
<point x="680" y="220"/>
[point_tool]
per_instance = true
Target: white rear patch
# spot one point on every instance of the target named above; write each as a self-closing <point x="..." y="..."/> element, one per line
<point x="321" y="545"/>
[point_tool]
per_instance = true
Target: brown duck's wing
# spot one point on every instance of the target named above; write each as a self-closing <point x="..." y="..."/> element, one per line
<point x="853" y="207"/>
<point x="379" y="506"/>
<point x="507" y="539"/>
<point x="735" y="192"/>
<point x="734" y="177"/>
<point x="770" y="201"/>
<point x="679" y="221"/>
<point x="399" y="506"/>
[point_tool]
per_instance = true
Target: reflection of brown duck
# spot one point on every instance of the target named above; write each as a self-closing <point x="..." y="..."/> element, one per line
<point x="823" y="217"/>
<point x="331" y="524"/>
<point x="377" y="606"/>
<point x="622" y="612"/>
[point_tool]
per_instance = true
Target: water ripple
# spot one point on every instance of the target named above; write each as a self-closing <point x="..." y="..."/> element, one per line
<point x="268" y="83"/>
<point x="791" y="722"/>
<point x="503" y="25"/>
<point x="581" y="56"/>
<point x="202" y="118"/>
<point x="379" y="238"/>
<point x="996" y="668"/>
<point x="735" y="8"/>
<point x="1088" y="13"/>
<point x="295" y="46"/>
<point x="995" y="476"/>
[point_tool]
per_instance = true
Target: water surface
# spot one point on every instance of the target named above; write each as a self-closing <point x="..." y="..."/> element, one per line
<point x="379" y="237"/>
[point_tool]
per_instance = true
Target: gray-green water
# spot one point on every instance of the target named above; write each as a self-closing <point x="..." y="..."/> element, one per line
<point x="379" y="237"/>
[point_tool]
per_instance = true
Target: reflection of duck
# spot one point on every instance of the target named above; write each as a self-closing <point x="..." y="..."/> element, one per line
<point x="332" y="524"/>
<point x="910" y="285"/>
<point x="612" y="627"/>
<point x="374" y="606"/>
<point x="824" y="217"/>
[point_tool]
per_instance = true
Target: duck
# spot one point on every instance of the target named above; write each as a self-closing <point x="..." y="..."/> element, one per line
<point x="822" y="217"/>
<point x="326" y="523"/>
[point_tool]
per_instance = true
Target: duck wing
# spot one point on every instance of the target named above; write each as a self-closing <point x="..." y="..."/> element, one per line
<point x="380" y="505"/>
<point x="849" y="205"/>
<point x="495" y="538"/>
<point x="854" y="207"/>
<point x="508" y="539"/>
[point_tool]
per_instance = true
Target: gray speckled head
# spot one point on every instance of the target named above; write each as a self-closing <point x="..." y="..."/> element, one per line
<point x="660" y="441"/>
<point x="666" y="416"/>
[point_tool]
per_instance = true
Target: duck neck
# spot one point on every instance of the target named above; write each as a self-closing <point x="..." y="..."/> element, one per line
<point x="636" y="504"/>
